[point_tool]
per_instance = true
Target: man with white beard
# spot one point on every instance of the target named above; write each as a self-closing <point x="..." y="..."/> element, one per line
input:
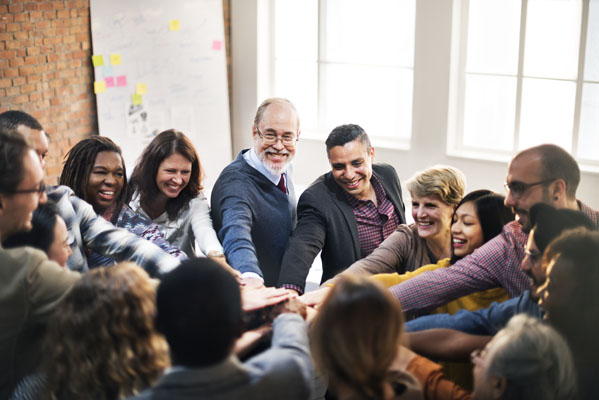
<point x="253" y="200"/>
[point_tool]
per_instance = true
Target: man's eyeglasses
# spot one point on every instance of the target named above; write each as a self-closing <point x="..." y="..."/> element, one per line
<point x="517" y="189"/>
<point x="40" y="189"/>
<point x="270" y="138"/>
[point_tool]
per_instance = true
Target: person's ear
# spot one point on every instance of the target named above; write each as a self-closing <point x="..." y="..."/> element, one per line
<point x="498" y="386"/>
<point x="558" y="189"/>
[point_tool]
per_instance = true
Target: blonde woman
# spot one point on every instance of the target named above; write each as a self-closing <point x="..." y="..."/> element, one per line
<point x="435" y="193"/>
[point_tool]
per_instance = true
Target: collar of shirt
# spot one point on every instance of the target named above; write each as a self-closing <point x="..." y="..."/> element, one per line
<point x="252" y="159"/>
<point x="379" y="192"/>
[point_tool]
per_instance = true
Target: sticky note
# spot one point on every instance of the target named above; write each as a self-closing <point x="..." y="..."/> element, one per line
<point x="115" y="59"/>
<point x="108" y="70"/>
<point x="136" y="99"/>
<point x="109" y="80"/>
<point x="141" y="88"/>
<point x="98" y="61"/>
<point x="99" y="87"/>
<point x="121" y="80"/>
<point x="174" y="25"/>
<point x="216" y="45"/>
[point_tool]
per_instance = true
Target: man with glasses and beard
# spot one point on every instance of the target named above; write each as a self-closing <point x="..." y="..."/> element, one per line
<point x="253" y="200"/>
<point x="541" y="174"/>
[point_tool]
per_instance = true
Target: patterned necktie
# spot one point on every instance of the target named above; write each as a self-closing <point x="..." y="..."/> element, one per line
<point x="281" y="184"/>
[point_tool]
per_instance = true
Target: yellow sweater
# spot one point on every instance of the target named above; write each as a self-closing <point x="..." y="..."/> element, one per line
<point x="472" y="302"/>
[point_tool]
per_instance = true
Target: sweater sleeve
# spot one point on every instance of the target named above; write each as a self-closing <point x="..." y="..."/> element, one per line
<point x="201" y="223"/>
<point x="389" y="257"/>
<point x="435" y="384"/>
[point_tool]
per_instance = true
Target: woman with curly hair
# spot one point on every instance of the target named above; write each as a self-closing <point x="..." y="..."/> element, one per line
<point x="94" y="168"/>
<point x="167" y="189"/>
<point x="101" y="341"/>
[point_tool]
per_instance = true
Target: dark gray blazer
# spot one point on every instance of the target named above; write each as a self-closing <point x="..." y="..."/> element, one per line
<point x="284" y="371"/>
<point x="326" y="222"/>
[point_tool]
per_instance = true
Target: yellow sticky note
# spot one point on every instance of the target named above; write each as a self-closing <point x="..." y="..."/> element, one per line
<point x="136" y="99"/>
<point x="141" y="88"/>
<point x="115" y="59"/>
<point x="174" y="25"/>
<point x="98" y="61"/>
<point x="99" y="87"/>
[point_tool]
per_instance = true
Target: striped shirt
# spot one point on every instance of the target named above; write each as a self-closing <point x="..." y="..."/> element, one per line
<point x="495" y="264"/>
<point x="87" y="230"/>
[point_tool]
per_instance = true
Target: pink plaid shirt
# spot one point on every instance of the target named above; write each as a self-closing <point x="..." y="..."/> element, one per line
<point x="495" y="264"/>
<point x="374" y="224"/>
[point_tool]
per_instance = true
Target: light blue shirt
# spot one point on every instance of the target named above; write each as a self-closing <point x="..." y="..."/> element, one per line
<point x="254" y="161"/>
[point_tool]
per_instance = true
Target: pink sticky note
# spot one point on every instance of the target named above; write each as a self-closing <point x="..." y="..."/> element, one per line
<point x="216" y="44"/>
<point x="121" y="80"/>
<point x="109" y="81"/>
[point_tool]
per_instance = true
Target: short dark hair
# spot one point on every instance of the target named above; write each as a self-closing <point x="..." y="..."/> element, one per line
<point x="491" y="212"/>
<point x="143" y="179"/>
<point x="79" y="162"/>
<point x="557" y="163"/>
<point x="199" y="312"/>
<point x="12" y="119"/>
<point x="549" y="222"/>
<point x="347" y="133"/>
<point x="41" y="235"/>
<point x="13" y="147"/>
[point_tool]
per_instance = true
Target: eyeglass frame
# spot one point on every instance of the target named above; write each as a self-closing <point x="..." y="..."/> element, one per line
<point x="40" y="189"/>
<point x="534" y="256"/>
<point x="526" y="186"/>
<point x="276" y="138"/>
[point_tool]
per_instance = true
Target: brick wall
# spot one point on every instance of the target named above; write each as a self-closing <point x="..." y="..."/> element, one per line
<point x="46" y="71"/>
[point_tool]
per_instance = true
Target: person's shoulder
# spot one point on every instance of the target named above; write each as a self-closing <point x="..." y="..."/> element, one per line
<point x="55" y="193"/>
<point x="22" y="256"/>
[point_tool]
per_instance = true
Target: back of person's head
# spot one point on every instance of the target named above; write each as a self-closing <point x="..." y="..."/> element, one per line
<point x="556" y="163"/>
<point x="165" y="144"/>
<point x="12" y="153"/>
<point x="549" y="222"/>
<point x="445" y="182"/>
<point x="531" y="360"/>
<point x="344" y="134"/>
<point x="41" y="234"/>
<point x="199" y="312"/>
<point x="101" y="341"/>
<point x="581" y="248"/>
<point x="356" y="335"/>
<point x="79" y="162"/>
<point x="12" y="119"/>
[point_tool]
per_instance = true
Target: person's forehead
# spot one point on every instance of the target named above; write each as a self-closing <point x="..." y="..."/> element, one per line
<point x="350" y="150"/>
<point x="525" y="168"/>
<point x="279" y="114"/>
<point x="32" y="168"/>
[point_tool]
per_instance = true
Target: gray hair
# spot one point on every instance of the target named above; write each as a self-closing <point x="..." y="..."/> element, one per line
<point x="535" y="360"/>
<point x="273" y="100"/>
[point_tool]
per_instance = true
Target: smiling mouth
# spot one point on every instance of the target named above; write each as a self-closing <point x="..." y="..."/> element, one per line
<point x="458" y="242"/>
<point x="352" y="184"/>
<point x="106" y="194"/>
<point x="424" y="224"/>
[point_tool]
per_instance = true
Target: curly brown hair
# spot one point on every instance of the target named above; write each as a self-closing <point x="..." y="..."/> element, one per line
<point x="101" y="341"/>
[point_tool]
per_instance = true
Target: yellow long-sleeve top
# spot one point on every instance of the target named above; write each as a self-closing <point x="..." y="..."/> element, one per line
<point x="472" y="302"/>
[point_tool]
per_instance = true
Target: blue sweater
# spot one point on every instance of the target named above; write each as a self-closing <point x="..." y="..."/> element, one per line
<point x="253" y="219"/>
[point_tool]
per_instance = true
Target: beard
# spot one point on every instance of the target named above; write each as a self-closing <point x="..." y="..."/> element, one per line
<point x="278" y="168"/>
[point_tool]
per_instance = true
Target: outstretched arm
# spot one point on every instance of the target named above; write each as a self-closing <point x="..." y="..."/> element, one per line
<point x="446" y="344"/>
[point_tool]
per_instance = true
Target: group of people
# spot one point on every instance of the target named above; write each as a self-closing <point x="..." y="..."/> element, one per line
<point x="142" y="287"/>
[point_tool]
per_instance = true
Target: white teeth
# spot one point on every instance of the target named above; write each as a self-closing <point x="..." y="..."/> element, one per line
<point x="459" y="241"/>
<point x="106" y="192"/>
<point x="422" y="223"/>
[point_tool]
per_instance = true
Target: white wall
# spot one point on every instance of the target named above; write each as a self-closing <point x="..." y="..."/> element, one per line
<point x="431" y="96"/>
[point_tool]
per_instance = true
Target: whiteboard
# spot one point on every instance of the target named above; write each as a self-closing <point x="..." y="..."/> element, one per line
<point x="170" y="57"/>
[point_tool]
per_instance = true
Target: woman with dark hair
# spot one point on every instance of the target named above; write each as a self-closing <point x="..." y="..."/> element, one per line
<point x="95" y="170"/>
<point x="167" y="189"/>
<point x="101" y="341"/>
<point x="48" y="233"/>
<point x="478" y="218"/>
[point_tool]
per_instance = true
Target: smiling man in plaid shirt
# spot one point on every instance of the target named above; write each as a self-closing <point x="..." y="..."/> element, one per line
<point x="346" y="213"/>
<point x="541" y="174"/>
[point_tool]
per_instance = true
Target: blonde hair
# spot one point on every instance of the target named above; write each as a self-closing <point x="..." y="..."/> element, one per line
<point x="356" y="336"/>
<point x="447" y="183"/>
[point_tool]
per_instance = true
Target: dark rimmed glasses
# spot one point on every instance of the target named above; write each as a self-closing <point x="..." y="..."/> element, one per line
<point x="270" y="138"/>
<point x="40" y="189"/>
<point x="517" y="188"/>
